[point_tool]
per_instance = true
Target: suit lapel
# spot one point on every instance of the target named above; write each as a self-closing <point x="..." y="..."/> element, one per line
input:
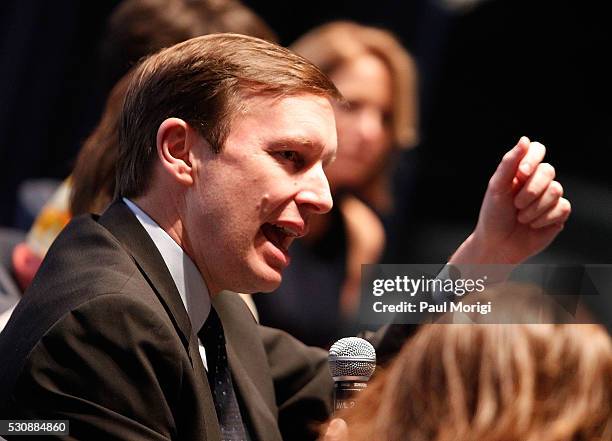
<point x="263" y="420"/>
<point x="122" y="223"/>
<point x="249" y="365"/>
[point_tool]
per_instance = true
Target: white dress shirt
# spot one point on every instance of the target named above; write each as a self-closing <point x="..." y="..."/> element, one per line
<point x="187" y="278"/>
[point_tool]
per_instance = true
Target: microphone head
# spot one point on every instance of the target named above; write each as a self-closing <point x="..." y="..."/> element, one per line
<point x="352" y="359"/>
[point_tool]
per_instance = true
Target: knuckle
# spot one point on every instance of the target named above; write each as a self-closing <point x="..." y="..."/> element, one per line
<point x="531" y="193"/>
<point x="492" y="185"/>
<point x="520" y="201"/>
<point x="508" y="156"/>
<point x="548" y="170"/>
<point x="555" y="190"/>
<point x="525" y="216"/>
<point x="566" y="206"/>
<point x="536" y="223"/>
<point x="539" y="145"/>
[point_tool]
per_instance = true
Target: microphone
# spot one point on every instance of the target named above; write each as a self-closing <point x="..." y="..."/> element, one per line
<point x="352" y="361"/>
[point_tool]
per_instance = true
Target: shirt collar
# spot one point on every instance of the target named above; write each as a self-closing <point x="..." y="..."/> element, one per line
<point x="187" y="278"/>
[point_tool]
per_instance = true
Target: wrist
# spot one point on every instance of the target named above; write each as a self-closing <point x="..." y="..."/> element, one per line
<point x="475" y="259"/>
<point x="469" y="252"/>
<point x="478" y="250"/>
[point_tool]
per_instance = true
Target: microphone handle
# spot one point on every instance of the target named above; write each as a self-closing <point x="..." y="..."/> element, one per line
<point x="346" y="392"/>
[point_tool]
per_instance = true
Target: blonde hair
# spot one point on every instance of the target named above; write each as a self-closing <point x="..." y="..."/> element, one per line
<point x="492" y="383"/>
<point x="336" y="43"/>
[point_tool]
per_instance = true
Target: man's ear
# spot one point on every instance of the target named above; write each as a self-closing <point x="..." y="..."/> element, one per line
<point x="174" y="149"/>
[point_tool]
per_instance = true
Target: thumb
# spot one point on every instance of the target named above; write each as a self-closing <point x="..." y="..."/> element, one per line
<point x="503" y="178"/>
<point x="336" y="431"/>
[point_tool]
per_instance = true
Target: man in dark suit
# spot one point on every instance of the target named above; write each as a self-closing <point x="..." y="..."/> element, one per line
<point x="128" y="330"/>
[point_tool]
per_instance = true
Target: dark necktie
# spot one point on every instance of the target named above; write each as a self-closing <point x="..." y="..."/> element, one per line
<point x="220" y="380"/>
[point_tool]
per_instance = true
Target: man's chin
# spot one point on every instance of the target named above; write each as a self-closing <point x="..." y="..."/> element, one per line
<point x="264" y="278"/>
<point x="270" y="284"/>
<point x="270" y="279"/>
<point x="261" y="273"/>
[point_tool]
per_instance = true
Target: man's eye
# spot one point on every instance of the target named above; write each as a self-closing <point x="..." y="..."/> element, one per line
<point x="291" y="155"/>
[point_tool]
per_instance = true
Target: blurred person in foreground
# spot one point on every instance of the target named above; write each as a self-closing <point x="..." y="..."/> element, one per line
<point x="528" y="382"/>
<point x="378" y="79"/>
<point x="223" y="144"/>
<point x="542" y="378"/>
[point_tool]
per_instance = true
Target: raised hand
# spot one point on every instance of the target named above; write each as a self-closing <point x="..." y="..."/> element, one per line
<point x="522" y="212"/>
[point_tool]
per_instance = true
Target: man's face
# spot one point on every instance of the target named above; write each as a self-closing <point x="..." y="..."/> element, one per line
<point x="250" y="201"/>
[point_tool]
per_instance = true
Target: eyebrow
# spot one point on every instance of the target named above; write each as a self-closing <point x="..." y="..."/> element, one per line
<point x="327" y="159"/>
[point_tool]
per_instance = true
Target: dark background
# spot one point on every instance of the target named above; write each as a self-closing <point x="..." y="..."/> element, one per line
<point x="489" y="74"/>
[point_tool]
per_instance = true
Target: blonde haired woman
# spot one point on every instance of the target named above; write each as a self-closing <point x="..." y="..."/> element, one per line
<point x="490" y="383"/>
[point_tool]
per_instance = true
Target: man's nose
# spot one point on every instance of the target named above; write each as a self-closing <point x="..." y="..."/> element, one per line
<point x="315" y="195"/>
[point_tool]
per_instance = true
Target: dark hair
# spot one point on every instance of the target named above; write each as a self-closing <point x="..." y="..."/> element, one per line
<point x="93" y="176"/>
<point x="137" y="28"/>
<point x="203" y="81"/>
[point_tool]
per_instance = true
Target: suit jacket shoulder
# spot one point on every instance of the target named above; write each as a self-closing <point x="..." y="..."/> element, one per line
<point x="84" y="262"/>
<point x="94" y="342"/>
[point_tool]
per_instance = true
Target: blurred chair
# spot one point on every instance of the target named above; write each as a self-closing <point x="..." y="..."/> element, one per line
<point x="32" y="194"/>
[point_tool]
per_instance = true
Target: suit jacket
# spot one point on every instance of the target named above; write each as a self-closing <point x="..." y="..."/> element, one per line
<point x="103" y="340"/>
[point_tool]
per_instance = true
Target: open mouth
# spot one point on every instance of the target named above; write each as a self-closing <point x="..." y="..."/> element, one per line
<point x="281" y="237"/>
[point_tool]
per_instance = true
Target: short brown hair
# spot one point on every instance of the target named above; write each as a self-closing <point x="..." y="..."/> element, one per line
<point x="203" y="81"/>
<point x="333" y="44"/>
